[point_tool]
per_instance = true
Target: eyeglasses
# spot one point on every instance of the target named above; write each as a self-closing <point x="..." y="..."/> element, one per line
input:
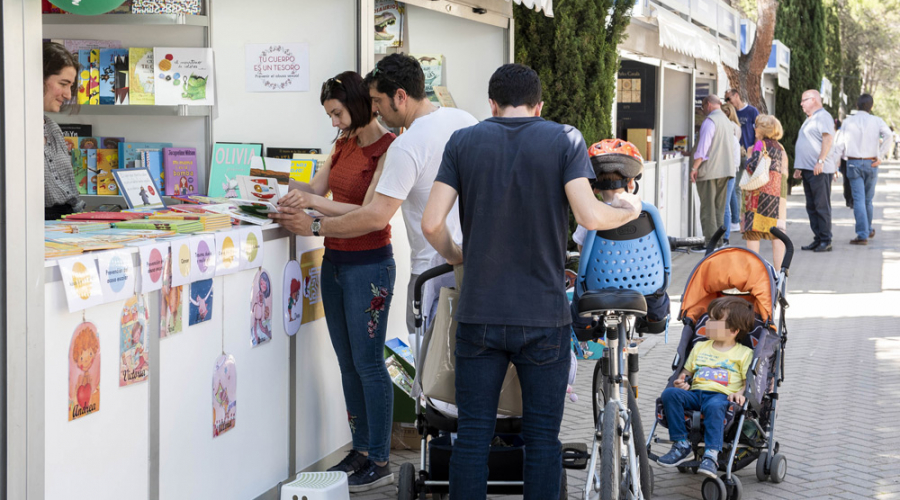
<point x="805" y="99"/>
<point x="379" y="73"/>
<point x="330" y="84"/>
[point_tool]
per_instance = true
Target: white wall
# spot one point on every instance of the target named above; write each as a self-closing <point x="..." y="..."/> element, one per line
<point x="677" y="103"/>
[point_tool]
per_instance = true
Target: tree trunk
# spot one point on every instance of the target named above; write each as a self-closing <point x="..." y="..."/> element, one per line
<point x="747" y="79"/>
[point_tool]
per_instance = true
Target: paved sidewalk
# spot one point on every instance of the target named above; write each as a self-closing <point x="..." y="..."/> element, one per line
<point x="839" y="418"/>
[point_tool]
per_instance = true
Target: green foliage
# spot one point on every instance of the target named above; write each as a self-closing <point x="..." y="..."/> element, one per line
<point x="834" y="62"/>
<point x="801" y="26"/>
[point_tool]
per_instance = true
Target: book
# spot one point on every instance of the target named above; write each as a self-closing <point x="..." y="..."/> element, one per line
<point x="84" y="76"/>
<point x="303" y="170"/>
<point x="195" y="199"/>
<point x="88" y="242"/>
<point x="137" y="185"/>
<point x="389" y="18"/>
<point x="105" y="216"/>
<point x="165" y="7"/>
<point x="288" y="153"/>
<point x="76" y="129"/>
<point x="89" y="159"/>
<point x="398" y="374"/>
<point x="179" y="226"/>
<point x="152" y="161"/>
<point x="109" y="61"/>
<point x="443" y="96"/>
<point x="433" y="67"/>
<point x="75" y="46"/>
<point x="184" y="76"/>
<point x="107" y="161"/>
<point x="110" y="142"/>
<point x="121" y="68"/>
<point x="130" y="152"/>
<point x="88" y="143"/>
<point x="258" y="189"/>
<point x="140" y="76"/>
<point x="400" y="348"/>
<point x="229" y="161"/>
<point x="79" y="167"/>
<point x="94" y="81"/>
<point x="274" y="168"/>
<point x="235" y="213"/>
<point x="180" y="170"/>
<point x="53" y="249"/>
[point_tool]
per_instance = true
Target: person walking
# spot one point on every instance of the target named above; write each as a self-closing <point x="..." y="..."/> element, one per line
<point x="515" y="176"/>
<point x="859" y="142"/>
<point x="731" y="113"/>
<point x="810" y="164"/>
<point x="766" y="206"/>
<point x="747" y="114"/>
<point x="713" y="165"/>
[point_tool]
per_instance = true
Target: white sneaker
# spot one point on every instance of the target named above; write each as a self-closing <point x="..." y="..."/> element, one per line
<point x="735" y="226"/>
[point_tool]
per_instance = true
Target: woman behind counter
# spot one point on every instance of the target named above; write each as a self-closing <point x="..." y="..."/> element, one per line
<point x="60" y="193"/>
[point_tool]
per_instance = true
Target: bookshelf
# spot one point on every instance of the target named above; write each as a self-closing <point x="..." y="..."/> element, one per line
<point x="126" y="19"/>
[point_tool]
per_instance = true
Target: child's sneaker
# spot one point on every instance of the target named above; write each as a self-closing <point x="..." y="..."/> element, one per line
<point x="708" y="467"/>
<point x="679" y="454"/>
<point x="370" y="476"/>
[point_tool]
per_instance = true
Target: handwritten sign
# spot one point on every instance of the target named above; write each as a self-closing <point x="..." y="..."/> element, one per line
<point x="228" y="252"/>
<point x="251" y="247"/>
<point x="81" y="282"/>
<point x="277" y="67"/>
<point x="182" y="261"/>
<point x="203" y="250"/>
<point x="116" y="275"/>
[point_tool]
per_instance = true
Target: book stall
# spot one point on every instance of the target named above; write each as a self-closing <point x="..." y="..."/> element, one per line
<point x="136" y="316"/>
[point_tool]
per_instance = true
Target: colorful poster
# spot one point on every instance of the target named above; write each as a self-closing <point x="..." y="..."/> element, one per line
<point x="134" y="359"/>
<point x="293" y="306"/>
<point x="251" y="247"/>
<point x="84" y="371"/>
<point x="261" y="308"/>
<point x="182" y="261"/>
<point x="228" y="259"/>
<point x="277" y="67"/>
<point x="153" y="260"/>
<point x="81" y="282"/>
<point x="203" y="252"/>
<point x="311" y="266"/>
<point x="228" y="162"/>
<point x="116" y="275"/>
<point x="184" y="76"/>
<point x="170" y="305"/>
<point x="224" y="386"/>
<point x="201" y="298"/>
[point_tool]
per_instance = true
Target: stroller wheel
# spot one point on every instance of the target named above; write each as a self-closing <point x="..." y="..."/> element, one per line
<point x="733" y="487"/>
<point x="713" y="489"/>
<point x="406" y="486"/>
<point x="683" y="470"/>
<point x="778" y="469"/>
<point x="761" y="473"/>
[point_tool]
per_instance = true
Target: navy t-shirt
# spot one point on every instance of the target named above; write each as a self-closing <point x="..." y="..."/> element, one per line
<point x="510" y="174"/>
<point x="747" y="117"/>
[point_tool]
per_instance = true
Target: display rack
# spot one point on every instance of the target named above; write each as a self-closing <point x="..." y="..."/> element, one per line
<point x="123" y="19"/>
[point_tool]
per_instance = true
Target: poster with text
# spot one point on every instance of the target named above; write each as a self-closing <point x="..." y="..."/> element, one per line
<point x="116" y="275"/>
<point x="81" y="282"/>
<point x="138" y="187"/>
<point x="153" y="259"/>
<point x="184" y="76"/>
<point x="251" y="247"/>
<point x="293" y="305"/>
<point x="134" y="358"/>
<point x="311" y="267"/>
<point x="277" y="67"/>
<point x="224" y="386"/>
<point x="261" y="308"/>
<point x="170" y="306"/>
<point x="203" y="250"/>
<point x="182" y="261"/>
<point x="201" y="299"/>
<point x="228" y="259"/>
<point x="84" y="371"/>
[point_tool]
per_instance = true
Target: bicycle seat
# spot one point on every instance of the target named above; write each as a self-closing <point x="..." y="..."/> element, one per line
<point x="624" y="300"/>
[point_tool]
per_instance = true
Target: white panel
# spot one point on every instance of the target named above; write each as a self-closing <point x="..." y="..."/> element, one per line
<point x="677" y="103"/>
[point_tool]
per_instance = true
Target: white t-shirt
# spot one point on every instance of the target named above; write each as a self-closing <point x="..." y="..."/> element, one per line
<point x="410" y="166"/>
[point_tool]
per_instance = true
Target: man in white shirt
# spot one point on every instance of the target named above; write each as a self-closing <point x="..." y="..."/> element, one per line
<point x="865" y="139"/>
<point x="397" y="87"/>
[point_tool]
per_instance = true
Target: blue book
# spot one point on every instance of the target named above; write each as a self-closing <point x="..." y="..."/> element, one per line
<point x="112" y="79"/>
<point x="152" y="161"/>
<point x="89" y="157"/>
<point x="401" y="349"/>
<point x="130" y="152"/>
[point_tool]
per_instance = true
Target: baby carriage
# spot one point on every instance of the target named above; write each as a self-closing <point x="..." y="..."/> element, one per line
<point x="750" y="428"/>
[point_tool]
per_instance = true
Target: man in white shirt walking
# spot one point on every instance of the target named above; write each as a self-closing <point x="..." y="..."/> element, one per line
<point x="865" y="139"/>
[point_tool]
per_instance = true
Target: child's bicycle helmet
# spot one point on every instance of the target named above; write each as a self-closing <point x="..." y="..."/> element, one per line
<point x="616" y="155"/>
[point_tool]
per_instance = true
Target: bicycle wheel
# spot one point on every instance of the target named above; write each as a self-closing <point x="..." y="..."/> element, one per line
<point x="600" y="392"/>
<point x="610" y="454"/>
<point x="640" y="445"/>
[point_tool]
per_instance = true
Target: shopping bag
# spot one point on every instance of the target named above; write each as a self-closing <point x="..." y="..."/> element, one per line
<point x="760" y="175"/>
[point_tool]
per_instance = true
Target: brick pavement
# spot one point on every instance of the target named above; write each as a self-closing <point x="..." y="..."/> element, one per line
<point x="839" y="419"/>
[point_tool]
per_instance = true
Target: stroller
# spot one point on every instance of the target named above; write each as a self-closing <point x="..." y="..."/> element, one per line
<point x="750" y="428"/>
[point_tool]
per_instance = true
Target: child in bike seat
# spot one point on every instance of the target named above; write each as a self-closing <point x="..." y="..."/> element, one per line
<point x="718" y="367"/>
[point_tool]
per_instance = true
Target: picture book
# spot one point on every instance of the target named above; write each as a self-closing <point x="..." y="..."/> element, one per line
<point x="152" y="161"/>
<point x="165" y="7"/>
<point x="53" y="249"/>
<point x="138" y="188"/>
<point x="224" y="394"/>
<point x="303" y="170"/>
<point x="110" y="142"/>
<point x="111" y="61"/>
<point x="79" y="168"/>
<point x="104" y="216"/>
<point x="107" y="161"/>
<point x="258" y="189"/>
<point x="399" y="347"/>
<point x="389" y="17"/>
<point x="288" y="153"/>
<point x="235" y="213"/>
<point x="75" y="46"/>
<point x="228" y="162"/>
<point x="274" y="168"/>
<point x="84" y="371"/>
<point x="133" y="349"/>
<point x="432" y="66"/>
<point x="121" y="77"/>
<point x="84" y="77"/>
<point x="88" y="143"/>
<point x="184" y="76"/>
<point x="89" y="158"/>
<point x="130" y="152"/>
<point x="443" y="96"/>
<point x="180" y="170"/>
<point x="76" y="129"/>
<point x="140" y="75"/>
<point x="94" y="82"/>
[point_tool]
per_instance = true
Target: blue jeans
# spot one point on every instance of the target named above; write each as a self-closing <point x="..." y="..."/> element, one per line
<point x="729" y="210"/>
<point x="357" y="301"/>
<point x="863" y="177"/>
<point x="712" y="406"/>
<point x="541" y="357"/>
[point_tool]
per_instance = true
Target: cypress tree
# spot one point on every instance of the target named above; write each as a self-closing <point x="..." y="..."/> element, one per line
<point x="833" y="59"/>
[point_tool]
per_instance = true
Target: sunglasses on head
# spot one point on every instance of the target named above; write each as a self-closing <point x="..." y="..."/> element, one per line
<point x="330" y="84"/>
<point x="379" y="73"/>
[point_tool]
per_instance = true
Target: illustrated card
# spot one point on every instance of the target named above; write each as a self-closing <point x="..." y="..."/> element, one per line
<point x="134" y="358"/>
<point x="84" y="371"/>
<point x="261" y="308"/>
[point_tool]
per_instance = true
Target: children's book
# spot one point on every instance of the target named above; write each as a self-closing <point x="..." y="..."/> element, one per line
<point x="443" y="96"/>
<point x="53" y="249"/>
<point x="152" y="161"/>
<point x="229" y="161"/>
<point x="105" y="216"/>
<point x="258" y="189"/>
<point x="84" y="76"/>
<point x="432" y="65"/>
<point x="107" y="161"/>
<point x="399" y="347"/>
<point x="184" y="76"/>
<point x="75" y="46"/>
<point x="180" y="171"/>
<point x="140" y="75"/>
<point x="303" y="170"/>
<point x="389" y="17"/>
<point x="288" y="153"/>
<point x="79" y="168"/>
<point x="121" y="76"/>
<point x="76" y="129"/>
<point x="138" y="188"/>
<point x="88" y="143"/>
<point x="109" y="61"/>
<point x="274" y="168"/>
<point x="165" y="7"/>
<point x="237" y="214"/>
<point x="89" y="158"/>
<point x="94" y="83"/>
<point x="110" y="142"/>
<point x="130" y="152"/>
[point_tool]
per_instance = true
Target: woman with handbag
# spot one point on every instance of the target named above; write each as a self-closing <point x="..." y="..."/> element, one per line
<point x="765" y="188"/>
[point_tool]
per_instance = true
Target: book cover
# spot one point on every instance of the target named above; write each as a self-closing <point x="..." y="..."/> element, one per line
<point x="303" y="170"/>
<point x="94" y="82"/>
<point x="76" y="129"/>
<point x="84" y="76"/>
<point x="110" y="142"/>
<point x="88" y="143"/>
<point x="49" y="8"/>
<point x="165" y="7"/>
<point x="433" y="67"/>
<point x="443" y="96"/>
<point x="121" y="72"/>
<point x="258" y="189"/>
<point x="274" y="168"/>
<point x="138" y="188"/>
<point x="130" y="152"/>
<point x="79" y="167"/>
<point x="288" y="153"/>
<point x="108" y="74"/>
<point x="89" y="157"/>
<point x="107" y="161"/>
<point x="228" y="162"/>
<point x="184" y="76"/>
<point x="152" y="161"/>
<point x="140" y="76"/>
<point x="180" y="171"/>
<point x="76" y="46"/>
<point x="389" y="18"/>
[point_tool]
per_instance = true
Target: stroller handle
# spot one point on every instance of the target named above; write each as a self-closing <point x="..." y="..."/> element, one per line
<point x="788" y="246"/>
<point x="714" y="241"/>
<point x="434" y="272"/>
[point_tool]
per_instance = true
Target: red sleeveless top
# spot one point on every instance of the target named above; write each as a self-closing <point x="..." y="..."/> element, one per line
<point x="352" y="169"/>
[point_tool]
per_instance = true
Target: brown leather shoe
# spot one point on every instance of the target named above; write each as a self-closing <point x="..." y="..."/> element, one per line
<point x="872" y="234"/>
<point x="858" y="241"/>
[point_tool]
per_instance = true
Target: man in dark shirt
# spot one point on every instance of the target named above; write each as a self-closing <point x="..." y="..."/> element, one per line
<point x="516" y="175"/>
<point x="747" y="114"/>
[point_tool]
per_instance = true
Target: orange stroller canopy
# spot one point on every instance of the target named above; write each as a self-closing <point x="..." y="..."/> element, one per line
<point x="723" y="270"/>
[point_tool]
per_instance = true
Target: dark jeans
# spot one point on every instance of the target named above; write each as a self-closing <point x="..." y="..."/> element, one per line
<point x="848" y="195"/>
<point x="352" y="295"/>
<point x="541" y="357"/>
<point x="712" y="406"/>
<point x="863" y="177"/>
<point x="817" y="189"/>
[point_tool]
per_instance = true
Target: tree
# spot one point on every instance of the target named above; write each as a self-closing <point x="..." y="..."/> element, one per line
<point x="834" y="61"/>
<point x="746" y="78"/>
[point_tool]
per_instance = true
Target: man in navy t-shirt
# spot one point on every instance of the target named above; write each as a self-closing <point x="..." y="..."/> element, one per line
<point x="747" y="116"/>
<point x="515" y="175"/>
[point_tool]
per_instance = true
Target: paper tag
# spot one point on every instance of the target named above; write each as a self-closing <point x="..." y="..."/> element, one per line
<point x="182" y="262"/>
<point x="116" y="275"/>
<point x="228" y="252"/>
<point x="251" y="247"/>
<point x="293" y="297"/>
<point x="81" y="282"/>
<point x="153" y="260"/>
<point x="203" y="253"/>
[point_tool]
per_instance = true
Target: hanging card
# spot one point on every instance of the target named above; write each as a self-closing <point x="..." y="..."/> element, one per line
<point x="261" y="308"/>
<point x="81" y="282"/>
<point x="224" y="388"/>
<point x="311" y="265"/>
<point x="153" y="261"/>
<point x="203" y="253"/>
<point x="228" y="250"/>
<point x="182" y="261"/>
<point x="84" y="371"/>
<point x="170" y="302"/>
<point x="293" y="305"/>
<point x="134" y="358"/>
<point x="201" y="299"/>
<point x="251" y="247"/>
<point x="116" y="275"/>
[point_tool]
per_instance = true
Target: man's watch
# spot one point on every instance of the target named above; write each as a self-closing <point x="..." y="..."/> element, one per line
<point x="820" y="161"/>
<point x="316" y="226"/>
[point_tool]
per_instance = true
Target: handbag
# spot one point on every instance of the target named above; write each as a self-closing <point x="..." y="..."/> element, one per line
<point x="760" y="175"/>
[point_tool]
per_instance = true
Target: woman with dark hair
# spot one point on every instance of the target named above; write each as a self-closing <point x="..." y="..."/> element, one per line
<point x="60" y="192"/>
<point x="357" y="276"/>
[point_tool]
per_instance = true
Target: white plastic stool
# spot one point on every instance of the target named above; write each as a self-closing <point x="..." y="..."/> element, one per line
<point x="317" y="486"/>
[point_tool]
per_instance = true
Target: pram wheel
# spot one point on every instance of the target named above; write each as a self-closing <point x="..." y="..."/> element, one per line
<point x="733" y="487"/>
<point x="406" y="486"/>
<point x="761" y="473"/>
<point x="683" y="469"/>
<point x="713" y="489"/>
<point x="778" y="469"/>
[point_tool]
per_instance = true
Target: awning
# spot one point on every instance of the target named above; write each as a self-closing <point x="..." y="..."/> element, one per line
<point x="729" y="55"/>
<point x="681" y="36"/>
<point x="538" y="5"/>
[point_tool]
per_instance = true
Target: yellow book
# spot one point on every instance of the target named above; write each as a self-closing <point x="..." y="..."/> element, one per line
<point x="107" y="160"/>
<point x="140" y="76"/>
<point x="94" y="84"/>
<point x="303" y="170"/>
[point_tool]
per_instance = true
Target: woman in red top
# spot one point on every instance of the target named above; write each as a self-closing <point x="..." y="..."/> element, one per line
<point x="357" y="276"/>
